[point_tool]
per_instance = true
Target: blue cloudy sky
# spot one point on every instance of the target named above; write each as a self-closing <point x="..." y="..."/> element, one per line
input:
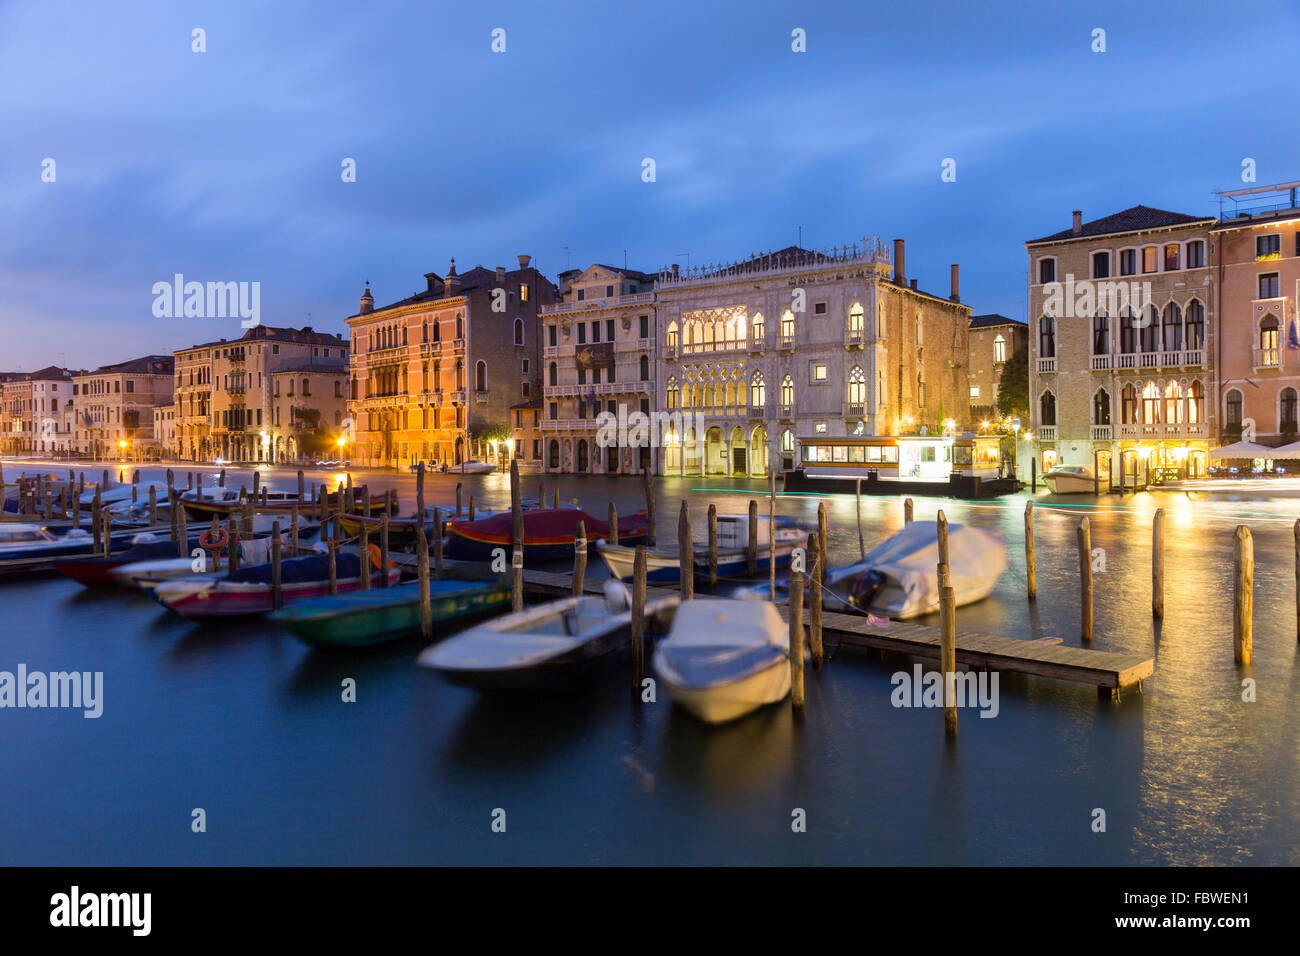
<point x="225" y="165"/>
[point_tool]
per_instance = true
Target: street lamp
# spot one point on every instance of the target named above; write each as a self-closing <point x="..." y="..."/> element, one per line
<point x="1015" y="427"/>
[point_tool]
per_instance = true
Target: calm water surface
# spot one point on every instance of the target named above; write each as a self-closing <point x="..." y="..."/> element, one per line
<point x="248" y="724"/>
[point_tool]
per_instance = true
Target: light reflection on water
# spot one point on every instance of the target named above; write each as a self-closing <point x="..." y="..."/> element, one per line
<point x="248" y="724"/>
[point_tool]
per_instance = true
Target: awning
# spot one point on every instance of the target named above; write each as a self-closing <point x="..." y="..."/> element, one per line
<point x="1244" y="449"/>
<point x="1289" y="452"/>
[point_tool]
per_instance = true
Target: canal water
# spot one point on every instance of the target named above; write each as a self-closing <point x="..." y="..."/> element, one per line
<point x="244" y="722"/>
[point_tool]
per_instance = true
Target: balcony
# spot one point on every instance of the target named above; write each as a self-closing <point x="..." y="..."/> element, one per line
<point x="786" y="343"/>
<point x="1151" y="430"/>
<point x="458" y="397"/>
<point x="430" y="349"/>
<point x="383" y="401"/>
<point x="787" y="411"/>
<point x="633" y="298"/>
<point x="1101" y="363"/>
<point x="1266" y="358"/>
<point x="757" y="411"/>
<point x="1101" y="433"/>
<point x="854" y="338"/>
<point x="855" y="409"/>
<point x="644" y="345"/>
<point x="481" y="396"/>
<point x="670" y="352"/>
<point x="562" y="424"/>
<point x="1128" y="431"/>
<point x="757" y="343"/>
<point x="551" y="351"/>
<point x="1047" y="364"/>
<point x="1046" y="433"/>
<point x="379" y="356"/>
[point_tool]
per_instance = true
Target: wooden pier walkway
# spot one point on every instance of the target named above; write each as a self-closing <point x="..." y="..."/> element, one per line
<point x="1107" y="670"/>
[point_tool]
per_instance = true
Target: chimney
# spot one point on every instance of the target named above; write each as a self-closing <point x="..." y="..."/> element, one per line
<point x="676" y="270"/>
<point x="913" y="285"/>
<point x="955" y="297"/>
<point x="367" y="301"/>
<point x="900" y="273"/>
<point x="501" y="274"/>
<point x="524" y="260"/>
<point x="1078" y="222"/>
<point x="432" y="279"/>
<point x="452" y="280"/>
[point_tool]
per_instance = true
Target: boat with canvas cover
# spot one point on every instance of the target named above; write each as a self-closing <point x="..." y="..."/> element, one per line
<point x="144" y="575"/>
<point x="26" y="548"/>
<point x="899" y="578"/>
<point x="553" y="646"/>
<point x="725" y="658"/>
<point x="549" y="533"/>
<point x="224" y="503"/>
<point x="401" y="531"/>
<point x="248" y="590"/>
<point x="93" y="572"/>
<point x="663" y="565"/>
<point x="361" y="618"/>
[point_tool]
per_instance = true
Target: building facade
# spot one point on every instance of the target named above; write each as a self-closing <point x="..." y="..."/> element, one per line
<point x="16" y="414"/>
<point x="797" y="344"/>
<point x="308" y="405"/>
<point x="434" y="376"/>
<point x="599" y="356"/>
<point x="526" y="436"/>
<point x="113" y="407"/>
<point x="1257" y="265"/>
<point x="164" y="443"/>
<point x="993" y="339"/>
<point x="193" y="399"/>
<point x="1122" y="338"/>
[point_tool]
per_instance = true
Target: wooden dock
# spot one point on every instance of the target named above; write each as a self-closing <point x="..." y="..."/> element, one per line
<point x="1107" y="670"/>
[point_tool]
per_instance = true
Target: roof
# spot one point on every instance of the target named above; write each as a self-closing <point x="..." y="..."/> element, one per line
<point x="991" y="319"/>
<point x="1133" y="219"/>
<point x="306" y="335"/>
<point x="145" y="365"/>
<point x="475" y="278"/>
<point x="630" y="273"/>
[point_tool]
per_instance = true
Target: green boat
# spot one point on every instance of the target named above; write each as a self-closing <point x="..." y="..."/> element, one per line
<point x="361" y="618"/>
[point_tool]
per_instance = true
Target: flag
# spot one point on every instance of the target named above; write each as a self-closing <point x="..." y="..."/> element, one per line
<point x="1293" y="337"/>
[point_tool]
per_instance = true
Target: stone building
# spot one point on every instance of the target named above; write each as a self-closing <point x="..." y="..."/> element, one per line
<point x="163" y="445"/>
<point x="599" y="356"/>
<point x="113" y="407"/>
<point x="993" y="339"/>
<point x="242" y="395"/>
<point x="434" y="376"/>
<point x="1257" y="356"/>
<point x="1123" y="331"/>
<point x="308" y="405"/>
<point x="526" y="435"/>
<point x="36" y="412"/>
<point x="15" y="414"/>
<point x="193" y="398"/>
<point x="798" y="344"/>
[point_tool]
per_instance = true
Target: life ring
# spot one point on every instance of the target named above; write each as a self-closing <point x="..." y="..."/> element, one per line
<point x="207" y="543"/>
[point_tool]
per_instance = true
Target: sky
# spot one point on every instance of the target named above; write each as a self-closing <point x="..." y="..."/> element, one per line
<point x="225" y="165"/>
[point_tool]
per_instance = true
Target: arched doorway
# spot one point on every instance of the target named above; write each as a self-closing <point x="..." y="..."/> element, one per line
<point x="715" y="452"/>
<point x="758" y="452"/>
<point x="553" y="456"/>
<point x="739" y="451"/>
<point x="582" y="456"/>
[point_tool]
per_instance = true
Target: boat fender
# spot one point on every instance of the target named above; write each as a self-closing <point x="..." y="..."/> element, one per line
<point x="617" y="596"/>
<point x="375" y="556"/>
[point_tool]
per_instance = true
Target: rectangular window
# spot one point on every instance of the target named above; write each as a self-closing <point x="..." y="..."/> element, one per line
<point x="523" y="292"/>
<point x="609" y="330"/>
<point x="974" y="391"/>
<point x="645" y="323"/>
<point x="818" y="372"/>
<point x="595" y="331"/>
<point x="1127" y="262"/>
<point x="819" y="308"/>
<point x="1047" y="271"/>
<point x="582" y="295"/>
<point x="609" y="291"/>
<point x="1150" y="261"/>
<point x="1268" y="285"/>
<point x="1195" y="254"/>
<point x="1270" y="245"/>
<point x="1172" y="256"/>
<point x="582" y="333"/>
<point x="550" y="335"/>
<point x="1101" y="265"/>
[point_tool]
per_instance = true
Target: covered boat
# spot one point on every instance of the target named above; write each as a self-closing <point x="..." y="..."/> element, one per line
<point x="33" y="547"/>
<point x="725" y="657"/>
<point x="223" y="503"/>
<point x="1072" y="479"/>
<point x="549" y="533"/>
<point x="548" y="647"/>
<point x="899" y="578"/>
<point x="99" y="571"/>
<point x="248" y="590"/>
<point x="360" y="618"/>
<point x="663" y="565"/>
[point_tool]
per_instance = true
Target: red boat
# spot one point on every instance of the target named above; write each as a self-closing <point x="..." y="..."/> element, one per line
<point x="548" y="534"/>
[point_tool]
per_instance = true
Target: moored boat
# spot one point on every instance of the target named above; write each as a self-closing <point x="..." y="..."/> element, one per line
<point x="474" y="468"/>
<point x="549" y="533"/>
<point x="248" y="590"/>
<point x="724" y="658"/>
<point x="549" y="647"/>
<point x="225" y="503"/>
<point x="361" y="618"/>
<point x="93" y="572"/>
<point x="663" y="565"/>
<point x="1071" y="479"/>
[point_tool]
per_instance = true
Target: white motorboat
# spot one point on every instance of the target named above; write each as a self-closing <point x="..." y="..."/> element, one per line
<point x="475" y="468"/>
<point x="146" y="575"/>
<point x="725" y="657"/>
<point x="548" y="647"/>
<point x="1070" y="479"/>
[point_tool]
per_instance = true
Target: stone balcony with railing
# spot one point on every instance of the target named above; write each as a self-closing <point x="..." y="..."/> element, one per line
<point x="590" y="390"/>
<point x="1266" y="358"/>
<point x="870" y="253"/>
<point x="634" y="298"/>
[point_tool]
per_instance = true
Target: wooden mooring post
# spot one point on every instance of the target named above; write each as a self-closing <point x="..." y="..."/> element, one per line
<point x="383" y="549"/>
<point x="613" y="523"/>
<point x="685" y="553"/>
<point x="422" y="556"/>
<point x="96" y="521"/>
<point x="517" y="538"/>
<point x="1243" y="596"/>
<point x="941" y="526"/>
<point x="751" y="545"/>
<point x="580" y="559"/>
<point x="823" y="540"/>
<point x="907" y="511"/>
<point x="437" y="543"/>
<point x="459" y="492"/>
<point x="334" y="565"/>
<point x="713" y="546"/>
<point x="771" y="534"/>
<point x="857" y="505"/>
<point x="948" y="657"/>
<point x="639" y="563"/>
<point x="796" y="640"/>
<point x="1084" y="536"/>
<point x="650" y="516"/>
<point x="1031" y="562"/>
<point x="816" y="564"/>
<point x="1158" y="563"/>
<point x="232" y="529"/>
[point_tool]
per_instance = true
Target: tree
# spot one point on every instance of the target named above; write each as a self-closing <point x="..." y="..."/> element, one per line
<point x="1013" y="387"/>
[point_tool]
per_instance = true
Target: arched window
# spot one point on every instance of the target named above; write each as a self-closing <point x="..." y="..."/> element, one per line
<point x="1047" y="409"/>
<point x="787" y="327"/>
<point x="1287" y="411"/>
<point x="1047" y="337"/>
<point x="855" y="318"/>
<point x="404" y="339"/>
<point x="1101" y="334"/>
<point x="519" y="331"/>
<point x="1101" y="408"/>
<point x="1173" y="403"/>
<point x="460" y="326"/>
<point x="1149" y="338"/>
<point x="1232" y="408"/>
<point x="1173" y="328"/>
<point x="670" y="393"/>
<point x="1127" y="332"/>
<point x="1128" y="405"/>
<point x="880" y="319"/>
<point x="480" y="376"/>
<point x="424" y="333"/>
<point x="672" y="335"/>
<point x="787" y="392"/>
<point x="856" y="393"/>
<point x="553" y="375"/>
<point x="437" y="331"/>
<point x="1195" y="403"/>
<point x="1195" y="325"/>
<point x="757" y="393"/>
<point x="999" y="348"/>
<point x="645" y="368"/>
<point x="306" y="389"/>
<point x="1150" y="403"/>
<point x="1269" y="329"/>
<point x="756" y="328"/>
<point x="553" y="454"/>
<point x="787" y="440"/>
